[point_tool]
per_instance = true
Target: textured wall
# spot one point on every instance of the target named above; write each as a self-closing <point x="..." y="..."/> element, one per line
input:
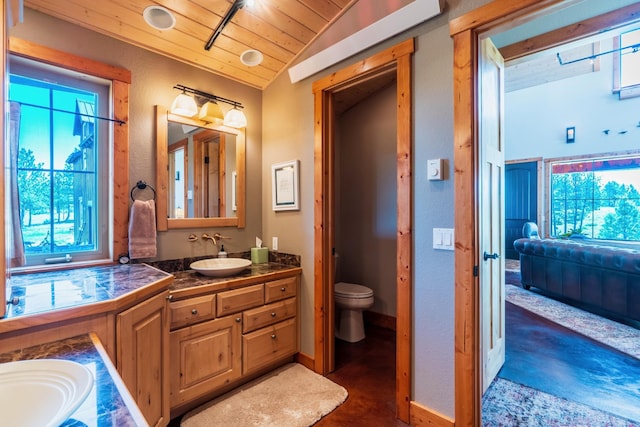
<point x="366" y="195"/>
<point x="288" y="134"/>
<point x="153" y="78"/>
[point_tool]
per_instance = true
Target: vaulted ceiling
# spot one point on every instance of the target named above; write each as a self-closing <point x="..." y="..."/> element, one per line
<point x="279" y="29"/>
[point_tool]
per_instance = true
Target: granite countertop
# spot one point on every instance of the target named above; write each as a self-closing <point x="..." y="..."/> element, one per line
<point x="109" y="403"/>
<point x="93" y="289"/>
<point x="55" y="290"/>
<point x="188" y="279"/>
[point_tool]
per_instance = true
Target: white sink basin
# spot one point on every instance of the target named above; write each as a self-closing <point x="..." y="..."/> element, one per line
<point x="220" y="267"/>
<point x="42" y="393"/>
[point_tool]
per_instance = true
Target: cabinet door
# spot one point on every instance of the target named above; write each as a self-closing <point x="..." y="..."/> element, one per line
<point x="143" y="355"/>
<point x="204" y="357"/>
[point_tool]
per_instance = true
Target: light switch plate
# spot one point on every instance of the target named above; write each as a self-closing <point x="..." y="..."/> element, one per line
<point x="434" y="170"/>
<point x="443" y="239"/>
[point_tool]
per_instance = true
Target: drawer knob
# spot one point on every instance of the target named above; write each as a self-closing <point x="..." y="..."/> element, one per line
<point x="194" y="311"/>
<point x="273" y="314"/>
<point x="283" y="289"/>
<point x="238" y="319"/>
<point x="273" y="337"/>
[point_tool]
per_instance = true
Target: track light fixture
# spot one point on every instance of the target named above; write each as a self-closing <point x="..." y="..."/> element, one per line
<point x="237" y="5"/>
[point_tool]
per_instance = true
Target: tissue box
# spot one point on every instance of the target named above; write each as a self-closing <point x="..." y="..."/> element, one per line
<point x="259" y="255"/>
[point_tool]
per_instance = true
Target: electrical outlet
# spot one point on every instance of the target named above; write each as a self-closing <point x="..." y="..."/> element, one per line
<point x="274" y="244"/>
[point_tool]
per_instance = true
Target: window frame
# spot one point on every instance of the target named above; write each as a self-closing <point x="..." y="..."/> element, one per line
<point x="548" y="166"/>
<point x="120" y="79"/>
<point x="59" y="78"/>
<point x="624" y="92"/>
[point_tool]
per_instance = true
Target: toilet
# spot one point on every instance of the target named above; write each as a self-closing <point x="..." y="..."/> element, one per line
<point x="351" y="299"/>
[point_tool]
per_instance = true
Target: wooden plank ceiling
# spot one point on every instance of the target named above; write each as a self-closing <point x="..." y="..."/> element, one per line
<point x="280" y="29"/>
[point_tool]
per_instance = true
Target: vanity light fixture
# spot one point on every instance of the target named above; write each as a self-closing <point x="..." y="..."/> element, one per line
<point x="184" y="105"/>
<point x="210" y="110"/>
<point x="235" y="119"/>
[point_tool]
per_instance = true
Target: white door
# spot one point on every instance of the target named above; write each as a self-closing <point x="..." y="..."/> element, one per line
<point x="491" y="202"/>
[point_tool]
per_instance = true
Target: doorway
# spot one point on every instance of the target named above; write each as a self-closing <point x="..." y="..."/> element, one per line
<point x="396" y="60"/>
<point x="521" y="201"/>
<point x="465" y="32"/>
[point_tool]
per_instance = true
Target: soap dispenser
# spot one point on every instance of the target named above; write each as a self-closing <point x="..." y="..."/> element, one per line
<point x="222" y="253"/>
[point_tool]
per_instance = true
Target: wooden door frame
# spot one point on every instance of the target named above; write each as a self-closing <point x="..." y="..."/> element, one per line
<point x="397" y="57"/>
<point x="465" y="31"/>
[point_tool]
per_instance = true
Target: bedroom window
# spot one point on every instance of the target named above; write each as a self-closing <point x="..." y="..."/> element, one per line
<point x="596" y="198"/>
<point x="62" y="186"/>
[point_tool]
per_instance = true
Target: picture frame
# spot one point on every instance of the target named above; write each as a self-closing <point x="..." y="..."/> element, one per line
<point x="285" y="190"/>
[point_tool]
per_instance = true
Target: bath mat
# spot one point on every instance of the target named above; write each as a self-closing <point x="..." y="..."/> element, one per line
<point x="291" y="396"/>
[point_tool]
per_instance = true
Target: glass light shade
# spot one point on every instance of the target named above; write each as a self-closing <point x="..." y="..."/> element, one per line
<point x="211" y="112"/>
<point x="184" y="105"/>
<point x="235" y="119"/>
<point x="251" y="57"/>
<point x="159" y="17"/>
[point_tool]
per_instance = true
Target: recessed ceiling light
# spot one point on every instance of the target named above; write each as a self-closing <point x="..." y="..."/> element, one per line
<point x="251" y="57"/>
<point x="159" y="17"/>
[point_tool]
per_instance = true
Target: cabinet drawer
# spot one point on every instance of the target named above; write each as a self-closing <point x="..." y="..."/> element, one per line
<point x="239" y="299"/>
<point x="268" y="315"/>
<point x="192" y="310"/>
<point x="270" y="344"/>
<point x="280" y="289"/>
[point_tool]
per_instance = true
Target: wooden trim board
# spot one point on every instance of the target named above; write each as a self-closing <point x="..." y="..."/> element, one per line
<point x="397" y="57"/>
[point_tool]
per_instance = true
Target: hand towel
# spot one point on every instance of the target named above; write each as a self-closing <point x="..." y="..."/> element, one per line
<point x="142" y="229"/>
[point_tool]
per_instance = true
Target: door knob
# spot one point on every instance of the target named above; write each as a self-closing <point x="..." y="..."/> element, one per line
<point x="492" y="256"/>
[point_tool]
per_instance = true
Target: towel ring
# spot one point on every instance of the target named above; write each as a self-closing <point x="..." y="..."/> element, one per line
<point x="141" y="185"/>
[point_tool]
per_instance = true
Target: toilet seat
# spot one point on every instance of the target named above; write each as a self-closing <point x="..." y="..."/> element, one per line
<point x="351" y="290"/>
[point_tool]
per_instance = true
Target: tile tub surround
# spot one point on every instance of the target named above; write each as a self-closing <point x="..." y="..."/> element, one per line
<point x="109" y="403"/>
<point x="62" y="289"/>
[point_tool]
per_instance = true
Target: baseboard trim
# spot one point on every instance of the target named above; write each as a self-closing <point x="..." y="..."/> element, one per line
<point x="379" y="319"/>
<point x="421" y="417"/>
<point x="305" y="360"/>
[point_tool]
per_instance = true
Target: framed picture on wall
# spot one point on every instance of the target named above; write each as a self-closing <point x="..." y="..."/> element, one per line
<point x="284" y="186"/>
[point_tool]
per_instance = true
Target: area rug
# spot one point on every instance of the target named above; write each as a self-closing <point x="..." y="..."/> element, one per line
<point x="617" y="335"/>
<point x="292" y="396"/>
<point x="506" y="403"/>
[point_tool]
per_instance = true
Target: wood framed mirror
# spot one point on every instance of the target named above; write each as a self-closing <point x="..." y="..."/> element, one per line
<point x="198" y="183"/>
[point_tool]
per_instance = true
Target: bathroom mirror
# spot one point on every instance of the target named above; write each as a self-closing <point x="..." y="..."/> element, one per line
<point x="200" y="173"/>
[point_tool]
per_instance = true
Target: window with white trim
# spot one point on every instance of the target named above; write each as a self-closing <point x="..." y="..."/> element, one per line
<point x="63" y="162"/>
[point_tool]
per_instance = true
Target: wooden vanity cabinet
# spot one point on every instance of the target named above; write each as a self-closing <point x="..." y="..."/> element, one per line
<point x="142" y="356"/>
<point x="204" y="356"/>
<point x="255" y="327"/>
